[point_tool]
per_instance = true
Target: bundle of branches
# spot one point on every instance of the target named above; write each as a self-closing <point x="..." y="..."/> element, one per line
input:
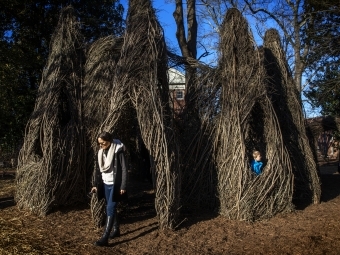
<point x="50" y="166"/>
<point x="100" y="71"/>
<point x="144" y="65"/>
<point x="246" y="122"/>
<point x="194" y="130"/>
<point x="288" y="107"/>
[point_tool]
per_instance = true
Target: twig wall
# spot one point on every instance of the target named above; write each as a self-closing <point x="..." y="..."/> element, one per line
<point x="51" y="166"/>
<point x="288" y="107"/>
<point x="144" y="65"/>
<point x="246" y="122"/>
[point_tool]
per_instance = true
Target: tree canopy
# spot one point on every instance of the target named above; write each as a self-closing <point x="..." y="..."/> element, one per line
<point x="25" y="33"/>
<point x="324" y="59"/>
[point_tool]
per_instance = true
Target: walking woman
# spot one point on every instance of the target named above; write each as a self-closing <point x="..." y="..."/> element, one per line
<point x="110" y="182"/>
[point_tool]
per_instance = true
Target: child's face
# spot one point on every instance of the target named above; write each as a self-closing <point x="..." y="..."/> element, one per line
<point x="258" y="158"/>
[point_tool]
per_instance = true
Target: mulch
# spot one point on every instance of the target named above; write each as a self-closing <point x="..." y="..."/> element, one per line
<point x="314" y="229"/>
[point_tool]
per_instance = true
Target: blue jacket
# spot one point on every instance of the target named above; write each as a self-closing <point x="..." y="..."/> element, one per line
<point x="256" y="166"/>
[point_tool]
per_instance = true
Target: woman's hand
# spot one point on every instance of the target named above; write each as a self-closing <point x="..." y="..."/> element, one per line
<point x="122" y="191"/>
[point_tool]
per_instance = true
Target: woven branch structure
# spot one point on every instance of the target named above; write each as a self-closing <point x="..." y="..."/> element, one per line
<point x="144" y="66"/>
<point x="247" y="121"/>
<point x="98" y="91"/>
<point x="50" y="165"/>
<point x="288" y="107"/>
<point x="201" y="156"/>
<point x="194" y="128"/>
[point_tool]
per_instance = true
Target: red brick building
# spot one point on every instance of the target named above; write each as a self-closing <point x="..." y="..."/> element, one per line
<point x="177" y="89"/>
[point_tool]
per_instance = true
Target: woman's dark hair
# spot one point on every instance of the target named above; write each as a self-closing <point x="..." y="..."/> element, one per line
<point x="106" y="136"/>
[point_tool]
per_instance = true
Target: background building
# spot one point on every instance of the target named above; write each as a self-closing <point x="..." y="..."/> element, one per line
<point x="177" y="89"/>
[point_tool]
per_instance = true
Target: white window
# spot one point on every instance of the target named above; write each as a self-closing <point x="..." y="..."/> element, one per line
<point x="179" y="95"/>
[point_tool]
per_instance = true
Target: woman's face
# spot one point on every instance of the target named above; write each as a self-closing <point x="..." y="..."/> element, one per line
<point x="103" y="144"/>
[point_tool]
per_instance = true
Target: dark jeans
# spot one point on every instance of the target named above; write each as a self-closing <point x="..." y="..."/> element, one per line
<point x="110" y="205"/>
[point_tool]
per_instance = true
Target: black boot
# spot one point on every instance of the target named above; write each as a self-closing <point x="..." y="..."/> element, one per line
<point x="115" y="231"/>
<point x="103" y="241"/>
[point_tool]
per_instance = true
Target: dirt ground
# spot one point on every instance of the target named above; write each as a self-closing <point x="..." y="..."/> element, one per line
<point x="313" y="230"/>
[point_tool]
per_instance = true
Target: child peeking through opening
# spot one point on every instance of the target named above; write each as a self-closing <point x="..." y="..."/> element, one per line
<point x="256" y="163"/>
